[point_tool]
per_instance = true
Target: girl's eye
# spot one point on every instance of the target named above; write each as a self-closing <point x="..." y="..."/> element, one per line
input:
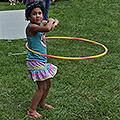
<point x="34" y="13"/>
<point x="39" y="13"/>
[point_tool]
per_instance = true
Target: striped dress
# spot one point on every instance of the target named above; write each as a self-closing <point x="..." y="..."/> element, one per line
<point x="38" y="68"/>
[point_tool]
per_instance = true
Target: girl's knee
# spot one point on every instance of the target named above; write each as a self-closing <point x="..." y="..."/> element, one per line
<point x="42" y="86"/>
<point x="45" y="85"/>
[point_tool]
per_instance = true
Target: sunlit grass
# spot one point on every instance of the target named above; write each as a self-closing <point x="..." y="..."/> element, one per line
<point x="82" y="90"/>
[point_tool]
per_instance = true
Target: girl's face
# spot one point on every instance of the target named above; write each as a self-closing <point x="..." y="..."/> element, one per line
<point x="36" y="15"/>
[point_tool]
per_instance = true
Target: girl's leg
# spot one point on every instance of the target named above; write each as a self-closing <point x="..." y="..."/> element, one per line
<point x="27" y="2"/>
<point x="37" y="97"/>
<point x="14" y="2"/>
<point x="11" y="2"/>
<point x="46" y="4"/>
<point x="24" y="1"/>
<point x="42" y="101"/>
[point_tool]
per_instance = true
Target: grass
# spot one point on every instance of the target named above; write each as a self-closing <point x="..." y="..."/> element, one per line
<point x="82" y="90"/>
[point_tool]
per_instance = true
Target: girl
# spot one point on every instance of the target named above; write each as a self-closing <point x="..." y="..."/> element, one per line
<point x="13" y="2"/>
<point x="39" y="70"/>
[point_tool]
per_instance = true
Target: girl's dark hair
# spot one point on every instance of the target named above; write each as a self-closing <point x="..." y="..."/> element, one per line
<point x="31" y="5"/>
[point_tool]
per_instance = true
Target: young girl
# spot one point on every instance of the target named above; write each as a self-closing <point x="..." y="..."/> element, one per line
<point x="13" y="2"/>
<point x="39" y="70"/>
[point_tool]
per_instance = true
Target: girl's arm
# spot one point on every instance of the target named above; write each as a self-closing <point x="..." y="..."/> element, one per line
<point x="41" y="1"/>
<point x="44" y="22"/>
<point x="56" y="22"/>
<point x="34" y="28"/>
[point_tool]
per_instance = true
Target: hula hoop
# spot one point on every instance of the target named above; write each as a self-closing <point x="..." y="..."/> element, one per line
<point x="72" y="58"/>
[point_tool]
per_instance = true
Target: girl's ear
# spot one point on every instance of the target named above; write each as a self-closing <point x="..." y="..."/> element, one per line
<point x="28" y="17"/>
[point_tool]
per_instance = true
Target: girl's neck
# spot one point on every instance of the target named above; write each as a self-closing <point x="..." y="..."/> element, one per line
<point x="34" y="23"/>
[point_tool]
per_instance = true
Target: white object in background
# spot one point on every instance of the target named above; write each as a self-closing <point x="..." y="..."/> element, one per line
<point x="12" y="24"/>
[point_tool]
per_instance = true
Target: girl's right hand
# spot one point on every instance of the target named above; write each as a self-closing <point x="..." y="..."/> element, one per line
<point x="55" y="23"/>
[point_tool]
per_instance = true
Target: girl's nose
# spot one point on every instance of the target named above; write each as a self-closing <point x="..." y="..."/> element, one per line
<point x="38" y="15"/>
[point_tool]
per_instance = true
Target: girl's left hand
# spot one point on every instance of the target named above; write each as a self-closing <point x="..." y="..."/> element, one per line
<point x="56" y="22"/>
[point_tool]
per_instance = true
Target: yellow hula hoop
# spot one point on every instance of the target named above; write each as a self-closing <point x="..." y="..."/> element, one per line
<point x="71" y="58"/>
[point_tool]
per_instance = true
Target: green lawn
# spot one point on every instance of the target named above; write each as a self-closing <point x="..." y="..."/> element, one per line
<point x="82" y="90"/>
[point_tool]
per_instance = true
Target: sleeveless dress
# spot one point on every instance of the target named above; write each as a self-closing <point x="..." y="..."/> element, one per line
<point x="38" y="68"/>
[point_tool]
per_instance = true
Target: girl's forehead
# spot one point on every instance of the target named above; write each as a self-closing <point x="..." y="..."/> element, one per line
<point x="36" y="9"/>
